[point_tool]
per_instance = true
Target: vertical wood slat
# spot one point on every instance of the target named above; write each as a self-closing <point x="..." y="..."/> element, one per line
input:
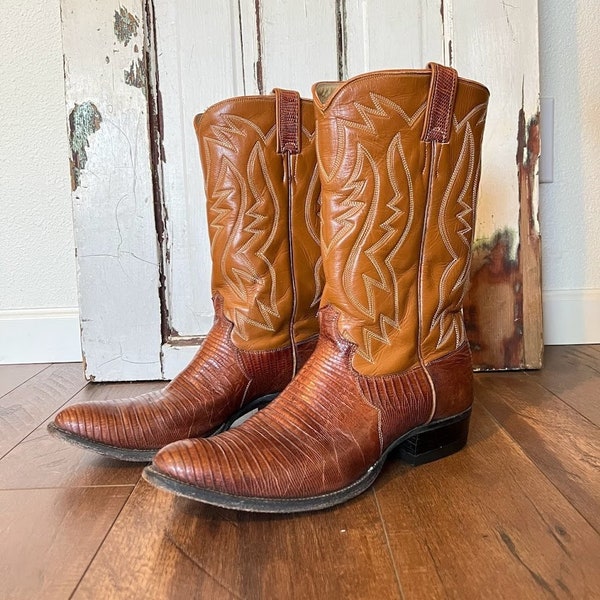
<point x="199" y="62"/>
<point x="385" y="35"/>
<point x="115" y="237"/>
<point x="292" y="44"/>
<point x="245" y="47"/>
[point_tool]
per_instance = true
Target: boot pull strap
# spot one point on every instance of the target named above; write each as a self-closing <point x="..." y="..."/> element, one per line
<point x="288" y="119"/>
<point x="440" y="104"/>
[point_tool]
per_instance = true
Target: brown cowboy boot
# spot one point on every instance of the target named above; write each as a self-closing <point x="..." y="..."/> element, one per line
<point x="399" y="159"/>
<point x="259" y="162"/>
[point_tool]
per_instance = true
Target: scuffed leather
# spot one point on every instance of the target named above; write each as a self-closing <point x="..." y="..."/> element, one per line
<point x="267" y="282"/>
<point x="320" y="434"/>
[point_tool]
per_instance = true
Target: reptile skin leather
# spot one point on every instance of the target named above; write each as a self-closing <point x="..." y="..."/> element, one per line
<point x="259" y="162"/>
<point x="399" y="160"/>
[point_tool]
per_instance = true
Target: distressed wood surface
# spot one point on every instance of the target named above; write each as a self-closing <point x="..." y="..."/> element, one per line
<point x="496" y="42"/>
<point x="144" y="312"/>
<point x="104" y="44"/>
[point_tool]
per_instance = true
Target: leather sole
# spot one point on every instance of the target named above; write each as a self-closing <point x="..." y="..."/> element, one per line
<point x="421" y="445"/>
<point x="146" y="455"/>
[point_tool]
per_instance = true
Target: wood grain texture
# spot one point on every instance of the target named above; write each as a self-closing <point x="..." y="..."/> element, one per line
<point x="561" y="443"/>
<point x="12" y="376"/>
<point x="43" y="461"/>
<point x="509" y="517"/>
<point x="48" y="538"/>
<point x="572" y="373"/>
<point x="23" y="409"/>
<point x="485" y="523"/>
<point x="175" y="548"/>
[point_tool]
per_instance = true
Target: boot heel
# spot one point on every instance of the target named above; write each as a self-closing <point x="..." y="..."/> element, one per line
<point x="436" y="441"/>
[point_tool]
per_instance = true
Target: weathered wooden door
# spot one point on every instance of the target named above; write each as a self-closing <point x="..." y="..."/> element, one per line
<point x="136" y="74"/>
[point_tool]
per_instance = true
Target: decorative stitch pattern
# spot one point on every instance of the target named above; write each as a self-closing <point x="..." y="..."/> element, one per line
<point x="364" y="196"/>
<point x="458" y="207"/>
<point x="256" y="218"/>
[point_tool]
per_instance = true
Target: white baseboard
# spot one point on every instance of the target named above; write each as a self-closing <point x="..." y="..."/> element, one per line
<point x="52" y="335"/>
<point x="39" y="335"/>
<point x="571" y="317"/>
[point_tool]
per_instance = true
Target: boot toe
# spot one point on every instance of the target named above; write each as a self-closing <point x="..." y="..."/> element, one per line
<point x="72" y="420"/>
<point x="91" y="423"/>
<point x="185" y="461"/>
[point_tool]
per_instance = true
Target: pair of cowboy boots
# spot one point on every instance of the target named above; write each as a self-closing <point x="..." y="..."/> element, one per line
<point x="387" y="367"/>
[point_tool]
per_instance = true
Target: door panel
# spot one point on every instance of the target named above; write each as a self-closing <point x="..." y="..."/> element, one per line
<point x="196" y="53"/>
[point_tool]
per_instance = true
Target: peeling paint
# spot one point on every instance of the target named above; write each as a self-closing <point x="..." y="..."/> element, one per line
<point x="503" y="311"/>
<point x="493" y="306"/>
<point x="341" y="39"/>
<point x="126" y="25"/>
<point x="157" y="155"/>
<point x="136" y="74"/>
<point x="241" y="28"/>
<point x="84" y="120"/>
<point x="528" y="152"/>
<point x="258" y="66"/>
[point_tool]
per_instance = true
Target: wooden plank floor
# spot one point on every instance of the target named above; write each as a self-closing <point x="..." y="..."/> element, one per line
<point x="515" y="515"/>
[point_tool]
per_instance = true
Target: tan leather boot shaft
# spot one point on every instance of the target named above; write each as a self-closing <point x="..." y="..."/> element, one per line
<point x="262" y="217"/>
<point x="398" y="213"/>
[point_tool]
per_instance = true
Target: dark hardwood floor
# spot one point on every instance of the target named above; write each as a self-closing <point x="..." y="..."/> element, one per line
<point x="515" y="515"/>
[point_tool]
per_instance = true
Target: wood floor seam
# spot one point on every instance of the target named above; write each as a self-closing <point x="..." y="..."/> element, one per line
<point x="387" y="542"/>
<point x="569" y="406"/>
<point x="109" y="529"/>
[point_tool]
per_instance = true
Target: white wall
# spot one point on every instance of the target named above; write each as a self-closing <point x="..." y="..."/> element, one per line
<point x="38" y="300"/>
<point x="570" y="206"/>
<point x="38" y="297"/>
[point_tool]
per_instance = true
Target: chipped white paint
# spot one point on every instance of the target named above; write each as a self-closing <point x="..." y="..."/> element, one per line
<point x="499" y="46"/>
<point x="115" y="235"/>
<point x="209" y="51"/>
